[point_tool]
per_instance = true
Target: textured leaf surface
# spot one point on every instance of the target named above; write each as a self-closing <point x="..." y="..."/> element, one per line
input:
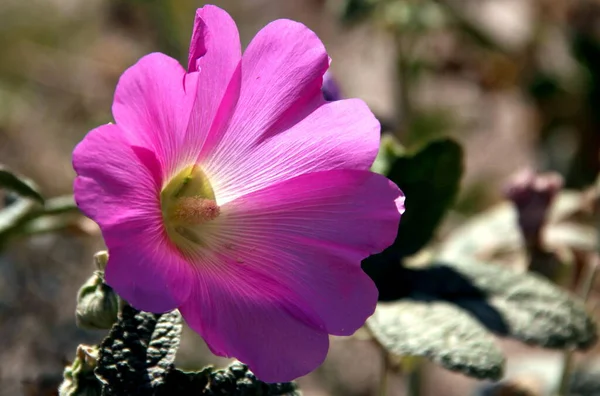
<point x="163" y="346"/>
<point x="519" y="305"/>
<point x="439" y="331"/>
<point x="430" y="180"/>
<point x="21" y="186"/>
<point x="235" y="380"/>
<point x="531" y="309"/>
<point x="138" y="353"/>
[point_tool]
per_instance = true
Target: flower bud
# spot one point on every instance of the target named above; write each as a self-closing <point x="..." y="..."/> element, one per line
<point x="533" y="194"/>
<point x="97" y="304"/>
<point x="79" y="378"/>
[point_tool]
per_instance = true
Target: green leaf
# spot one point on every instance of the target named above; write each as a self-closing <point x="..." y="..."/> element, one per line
<point x="389" y="151"/>
<point x="430" y="180"/>
<point x="20" y="185"/>
<point x="59" y="205"/>
<point x="163" y="347"/>
<point x="524" y="306"/>
<point x="235" y="380"/>
<point x="78" y="377"/>
<point x="138" y="353"/>
<point x="533" y="310"/>
<point x="439" y="331"/>
<point x="12" y="216"/>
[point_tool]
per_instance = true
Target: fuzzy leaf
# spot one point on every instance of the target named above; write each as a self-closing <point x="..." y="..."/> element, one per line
<point x="524" y="306"/>
<point x="430" y="180"/>
<point x="21" y="186"/>
<point x="533" y="310"/>
<point x="235" y="380"/>
<point x="163" y="346"/>
<point x="138" y="353"/>
<point x="439" y="331"/>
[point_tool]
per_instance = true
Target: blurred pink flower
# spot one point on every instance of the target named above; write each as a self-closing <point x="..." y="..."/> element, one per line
<point x="235" y="193"/>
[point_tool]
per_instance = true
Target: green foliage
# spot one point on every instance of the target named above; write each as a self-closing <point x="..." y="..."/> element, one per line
<point x="525" y="306"/>
<point x="448" y="312"/>
<point x="430" y="180"/>
<point x="20" y="185"/>
<point x="137" y="358"/>
<point x="26" y="217"/>
<point x="389" y="150"/>
<point x="233" y="380"/>
<point x="138" y="352"/>
<point x="79" y="378"/>
<point x="439" y="331"/>
<point x="13" y="215"/>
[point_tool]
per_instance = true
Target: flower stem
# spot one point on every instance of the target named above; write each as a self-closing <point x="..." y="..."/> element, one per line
<point x="586" y="287"/>
<point x="413" y="378"/>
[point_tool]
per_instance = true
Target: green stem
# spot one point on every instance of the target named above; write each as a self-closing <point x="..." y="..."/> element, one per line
<point x="413" y="379"/>
<point x="565" y="377"/>
<point x="586" y="288"/>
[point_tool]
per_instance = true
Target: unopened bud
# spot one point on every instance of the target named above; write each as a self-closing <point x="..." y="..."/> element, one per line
<point x="79" y="378"/>
<point x="533" y="194"/>
<point x="97" y="304"/>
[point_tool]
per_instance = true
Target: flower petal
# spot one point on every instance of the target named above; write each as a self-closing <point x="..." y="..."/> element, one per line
<point x="118" y="186"/>
<point x="282" y="74"/>
<point x="337" y="135"/>
<point x="244" y="318"/>
<point x="309" y="234"/>
<point x="215" y="52"/>
<point x="152" y="105"/>
<point x="112" y="175"/>
<point x="145" y="270"/>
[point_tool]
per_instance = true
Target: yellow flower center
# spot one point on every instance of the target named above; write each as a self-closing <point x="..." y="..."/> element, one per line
<point x="188" y="203"/>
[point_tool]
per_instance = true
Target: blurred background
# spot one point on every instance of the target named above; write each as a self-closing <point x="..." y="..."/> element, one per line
<point x="516" y="82"/>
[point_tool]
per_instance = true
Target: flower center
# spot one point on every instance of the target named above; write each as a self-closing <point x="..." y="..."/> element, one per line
<point x="188" y="203"/>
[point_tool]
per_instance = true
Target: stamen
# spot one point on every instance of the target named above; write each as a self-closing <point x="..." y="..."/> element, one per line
<point x="195" y="210"/>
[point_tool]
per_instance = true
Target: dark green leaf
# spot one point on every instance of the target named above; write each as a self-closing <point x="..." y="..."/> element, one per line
<point x="430" y="180"/>
<point x="12" y="216"/>
<point x="138" y="353"/>
<point x="235" y="380"/>
<point x="20" y="185"/>
<point x="439" y="331"/>
<point x="163" y="346"/>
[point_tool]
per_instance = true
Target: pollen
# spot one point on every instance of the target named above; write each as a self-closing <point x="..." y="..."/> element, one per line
<point x="195" y="210"/>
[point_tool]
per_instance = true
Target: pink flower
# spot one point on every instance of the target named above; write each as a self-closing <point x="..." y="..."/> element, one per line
<point x="235" y="193"/>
